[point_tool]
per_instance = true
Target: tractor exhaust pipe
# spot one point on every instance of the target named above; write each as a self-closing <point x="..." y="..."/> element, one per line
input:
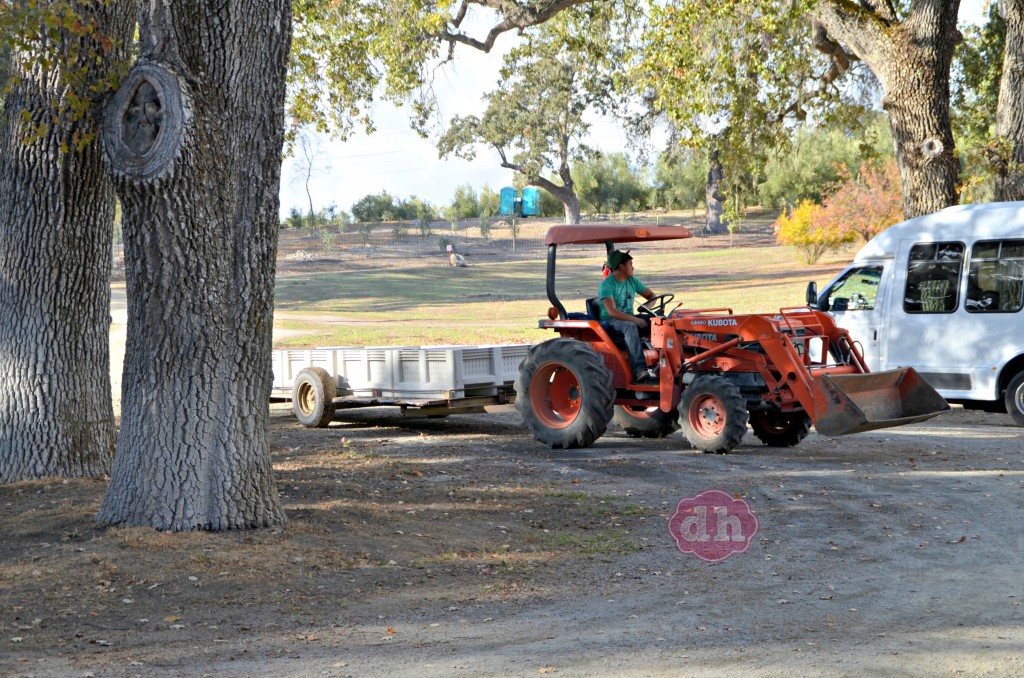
<point x="851" y="403"/>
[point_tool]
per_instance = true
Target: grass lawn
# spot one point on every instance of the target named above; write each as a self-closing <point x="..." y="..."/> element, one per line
<point x="423" y="303"/>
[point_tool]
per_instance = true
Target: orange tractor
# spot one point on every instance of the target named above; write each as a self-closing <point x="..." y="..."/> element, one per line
<point x="717" y="371"/>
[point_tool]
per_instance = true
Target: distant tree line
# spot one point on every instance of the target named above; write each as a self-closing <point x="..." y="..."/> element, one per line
<point x="610" y="183"/>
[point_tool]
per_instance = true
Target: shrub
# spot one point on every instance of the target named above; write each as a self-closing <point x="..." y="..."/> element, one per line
<point x="374" y="207"/>
<point x="295" y="219"/>
<point x="465" y="204"/>
<point x="806" y="229"/>
<point x="326" y="239"/>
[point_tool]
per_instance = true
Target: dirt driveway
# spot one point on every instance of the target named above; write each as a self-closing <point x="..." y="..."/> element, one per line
<point x="460" y="547"/>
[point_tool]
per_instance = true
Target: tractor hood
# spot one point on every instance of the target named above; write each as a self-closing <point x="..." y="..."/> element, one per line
<point x="594" y="234"/>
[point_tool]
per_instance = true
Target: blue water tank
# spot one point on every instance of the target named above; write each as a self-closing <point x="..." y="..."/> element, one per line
<point x="507" y="201"/>
<point x="531" y="202"/>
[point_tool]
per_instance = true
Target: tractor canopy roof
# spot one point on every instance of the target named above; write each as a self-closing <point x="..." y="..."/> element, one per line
<point x="594" y="234"/>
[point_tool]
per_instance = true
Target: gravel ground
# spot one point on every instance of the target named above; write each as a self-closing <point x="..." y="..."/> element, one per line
<point x="889" y="553"/>
<point x="451" y="547"/>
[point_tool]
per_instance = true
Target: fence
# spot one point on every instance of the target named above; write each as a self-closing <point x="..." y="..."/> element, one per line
<point x="411" y="239"/>
<point x="405" y="238"/>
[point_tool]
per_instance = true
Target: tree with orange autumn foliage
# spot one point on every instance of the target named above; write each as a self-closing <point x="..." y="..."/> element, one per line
<point x="865" y="204"/>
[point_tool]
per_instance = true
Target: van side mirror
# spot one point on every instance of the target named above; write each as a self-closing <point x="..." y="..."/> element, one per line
<point x="812" y="294"/>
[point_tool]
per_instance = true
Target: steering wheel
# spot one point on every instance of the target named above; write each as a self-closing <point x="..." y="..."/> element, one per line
<point x="656" y="305"/>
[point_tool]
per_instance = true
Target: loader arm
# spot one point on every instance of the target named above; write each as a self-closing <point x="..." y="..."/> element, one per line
<point x="840" y="397"/>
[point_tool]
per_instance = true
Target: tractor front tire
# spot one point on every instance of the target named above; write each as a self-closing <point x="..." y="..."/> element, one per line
<point x="777" y="429"/>
<point x="313" y="397"/>
<point x="713" y="415"/>
<point x="649" y="422"/>
<point x="564" y="393"/>
<point x="1014" y="399"/>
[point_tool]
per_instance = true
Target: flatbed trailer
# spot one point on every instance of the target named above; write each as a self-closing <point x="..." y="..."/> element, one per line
<point x="432" y="381"/>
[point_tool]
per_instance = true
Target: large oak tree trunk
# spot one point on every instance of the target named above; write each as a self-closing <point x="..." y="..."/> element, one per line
<point x="1010" y="109"/>
<point x="917" y="102"/>
<point x="713" y="224"/>
<point x="566" y="193"/>
<point x="571" y="207"/>
<point x="911" y="59"/>
<point x="195" y="143"/>
<point x="56" y="224"/>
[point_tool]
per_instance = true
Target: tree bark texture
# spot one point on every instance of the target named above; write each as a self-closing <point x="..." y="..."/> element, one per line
<point x="56" y="226"/>
<point x="1009" y="183"/>
<point x="567" y="196"/>
<point x="197" y="157"/>
<point x="566" y="193"/>
<point x="911" y="59"/>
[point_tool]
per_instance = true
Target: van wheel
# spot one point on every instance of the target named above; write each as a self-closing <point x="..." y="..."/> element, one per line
<point x="713" y="414"/>
<point x="564" y="393"/>
<point x="1015" y="399"/>
<point x="645" y="422"/>
<point x="776" y="429"/>
<point x="313" y="397"/>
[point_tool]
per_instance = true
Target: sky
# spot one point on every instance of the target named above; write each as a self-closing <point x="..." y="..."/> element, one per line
<point x="395" y="159"/>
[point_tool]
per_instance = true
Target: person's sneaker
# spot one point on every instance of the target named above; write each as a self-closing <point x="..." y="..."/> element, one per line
<point x="645" y="376"/>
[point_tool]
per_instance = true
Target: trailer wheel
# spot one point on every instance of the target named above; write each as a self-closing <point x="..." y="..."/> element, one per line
<point x="1014" y="399"/>
<point x="713" y="414"/>
<point x="313" y="397"/>
<point x="564" y="393"/>
<point x="776" y="429"/>
<point x="645" y="422"/>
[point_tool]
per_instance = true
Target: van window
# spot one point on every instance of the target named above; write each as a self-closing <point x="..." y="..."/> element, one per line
<point x="933" y="277"/>
<point x="855" y="291"/>
<point x="994" y="277"/>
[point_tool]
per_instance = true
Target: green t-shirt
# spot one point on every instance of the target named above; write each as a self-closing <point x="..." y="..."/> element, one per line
<point x="622" y="294"/>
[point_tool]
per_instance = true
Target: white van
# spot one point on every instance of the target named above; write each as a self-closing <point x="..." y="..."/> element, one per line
<point x="942" y="293"/>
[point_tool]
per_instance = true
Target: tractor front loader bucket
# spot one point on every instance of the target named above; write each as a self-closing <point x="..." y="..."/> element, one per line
<point x="862" y="402"/>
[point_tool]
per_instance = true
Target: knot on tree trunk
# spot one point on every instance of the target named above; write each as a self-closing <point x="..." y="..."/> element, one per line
<point x="932" y="148"/>
<point x="144" y="124"/>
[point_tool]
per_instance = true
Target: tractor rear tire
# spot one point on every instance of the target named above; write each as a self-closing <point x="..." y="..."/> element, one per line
<point x="777" y="429"/>
<point x="313" y="397"/>
<point x="713" y="415"/>
<point x="564" y="393"/>
<point x="1014" y="399"/>
<point x="648" y="422"/>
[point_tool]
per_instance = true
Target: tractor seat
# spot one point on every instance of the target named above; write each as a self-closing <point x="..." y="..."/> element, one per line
<point x="594" y="310"/>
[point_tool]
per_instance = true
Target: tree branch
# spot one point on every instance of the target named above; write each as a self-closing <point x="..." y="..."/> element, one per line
<point x="861" y="30"/>
<point x="839" y="59"/>
<point x="516" y="16"/>
<point x="533" y="179"/>
<point x="504" y="161"/>
<point x="883" y="8"/>
<point x="549" y="186"/>
<point x="463" y="9"/>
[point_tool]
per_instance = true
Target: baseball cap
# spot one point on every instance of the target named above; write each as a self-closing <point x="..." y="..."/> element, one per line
<point x="616" y="257"/>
